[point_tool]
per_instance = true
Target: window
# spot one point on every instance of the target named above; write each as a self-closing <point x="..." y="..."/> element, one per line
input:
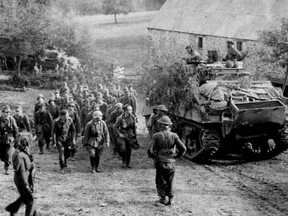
<point x="239" y="45"/>
<point x="200" y="43"/>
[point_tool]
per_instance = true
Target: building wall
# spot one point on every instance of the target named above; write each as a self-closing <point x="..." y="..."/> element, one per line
<point x="170" y="46"/>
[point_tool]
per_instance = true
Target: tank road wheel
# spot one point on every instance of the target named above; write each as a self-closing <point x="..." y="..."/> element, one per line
<point x="202" y="144"/>
<point x="277" y="145"/>
<point x="268" y="148"/>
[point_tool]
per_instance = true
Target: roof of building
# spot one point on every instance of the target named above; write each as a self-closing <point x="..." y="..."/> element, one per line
<point x="241" y="19"/>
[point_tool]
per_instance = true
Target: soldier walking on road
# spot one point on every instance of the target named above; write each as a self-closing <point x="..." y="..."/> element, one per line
<point x="96" y="136"/>
<point x="153" y="124"/>
<point x="8" y="133"/>
<point x="162" y="149"/>
<point x="22" y="120"/>
<point x="43" y="123"/>
<point x="130" y="100"/>
<point x="73" y="114"/>
<point x="111" y="120"/>
<point x="63" y="136"/>
<point x="53" y="108"/>
<point x="125" y="131"/>
<point x="24" y="176"/>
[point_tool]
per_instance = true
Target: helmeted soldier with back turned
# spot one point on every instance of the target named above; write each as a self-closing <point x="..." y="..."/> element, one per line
<point x="24" y="176"/>
<point x="8" y="133"/>
<point x="63" y="137"/>
<point x="96" y="136"/>
<point x="163" y="149"/>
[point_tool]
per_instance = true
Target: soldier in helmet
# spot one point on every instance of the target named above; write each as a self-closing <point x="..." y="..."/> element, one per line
<point x="63" y="137"/>
<point x="73" y="114"/>
<point x="111" y="120"/>
<point x="125" y="131"/>
<point x="8" y="133"/>
<point x="43" y="124"/>
<point x="24" y="170"/>
<point x="38" y="105"/>
<point x="84" y="112"/>
<point x="22" y="120"/>
<point x="53" y="108"/>
<point x="130" y="100"/>
<point x="96" y="136"/>
<point x="153" y="121"/>
<point x="162" y="149"/>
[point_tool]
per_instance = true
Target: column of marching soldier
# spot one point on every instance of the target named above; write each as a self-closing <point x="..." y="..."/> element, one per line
<point x="100" y="115"/>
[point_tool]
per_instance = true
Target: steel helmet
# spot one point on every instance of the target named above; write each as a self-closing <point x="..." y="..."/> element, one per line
<point x="165" y="120"/>
<point x="161" y="107"/>
<point x="97" y="113"/>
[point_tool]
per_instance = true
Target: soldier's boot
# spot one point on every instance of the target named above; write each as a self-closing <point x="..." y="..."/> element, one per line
<point x="97" y="161"/>
<point x="6" y="169"/>
<point x="92" y="162"/>
<point x="162" y="200"/>
<point x="41" y="150"/>
<point x="170" y="201"/>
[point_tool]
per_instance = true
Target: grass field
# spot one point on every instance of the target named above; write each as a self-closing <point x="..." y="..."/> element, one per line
<point x="125" y="43"/>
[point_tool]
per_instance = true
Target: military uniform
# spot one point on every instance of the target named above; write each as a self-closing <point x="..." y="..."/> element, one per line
<point x="83" y="114"/>
<point x="8" y="133"/>
<point x="110" y="122"/>
<point x="22" y="122"/>
<point x="125" y="125"/>
<point x="43" y="123"/>
<point x="129" y="100"/>
<point x="54" y="111"/>
<point x="95" y="136"/>
<point x="24" y="174"/>
<point x="162" y="149"/>
<point x="63" y="135"/>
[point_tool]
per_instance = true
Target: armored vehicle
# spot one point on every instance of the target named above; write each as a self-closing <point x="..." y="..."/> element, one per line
<point x="231" y="114"/>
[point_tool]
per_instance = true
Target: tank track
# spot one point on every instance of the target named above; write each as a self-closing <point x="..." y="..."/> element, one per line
<point x="279" y="145"/>
<point x="202" y="142"/>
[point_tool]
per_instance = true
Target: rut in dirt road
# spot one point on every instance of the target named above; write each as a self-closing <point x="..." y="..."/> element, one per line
<point x="269" y="197"/>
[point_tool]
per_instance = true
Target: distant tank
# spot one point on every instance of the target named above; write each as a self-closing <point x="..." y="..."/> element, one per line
<point x="232" y="115"/>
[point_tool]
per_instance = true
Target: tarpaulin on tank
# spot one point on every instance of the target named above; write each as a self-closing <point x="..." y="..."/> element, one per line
<point x="221" y="91"/>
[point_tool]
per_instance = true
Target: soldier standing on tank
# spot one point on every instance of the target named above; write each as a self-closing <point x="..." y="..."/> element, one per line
<point x="8" y="133"/>
<point x="53" y="108"/>
<point x="22" y="120"/>
<point x="43" y="124"/>
<point x="162" y="149"/>
<point x="73" y="114"/>
<point x="125" y="131"/>
<point x="63" y="137"/>
<point x="152" y="123"/>
<point x="96" y="136"/>
<point x="24" y="178"/>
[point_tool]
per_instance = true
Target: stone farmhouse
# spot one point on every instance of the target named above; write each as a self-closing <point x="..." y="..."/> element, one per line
<point x="209" y="24"/>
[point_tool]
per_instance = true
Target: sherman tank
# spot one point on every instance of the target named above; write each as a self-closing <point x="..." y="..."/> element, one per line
<point x="231" y="114"/>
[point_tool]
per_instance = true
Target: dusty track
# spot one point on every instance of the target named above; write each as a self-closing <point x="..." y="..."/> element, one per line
<point x="226" y="188"/>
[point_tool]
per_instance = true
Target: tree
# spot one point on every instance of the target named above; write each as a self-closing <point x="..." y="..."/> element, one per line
<point x="277" y="40"/>
<point x="115" y="7"/>
<point x="23" y="24"/>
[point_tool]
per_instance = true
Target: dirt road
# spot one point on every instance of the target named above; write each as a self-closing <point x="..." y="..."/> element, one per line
<point x="226" y="188"/>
